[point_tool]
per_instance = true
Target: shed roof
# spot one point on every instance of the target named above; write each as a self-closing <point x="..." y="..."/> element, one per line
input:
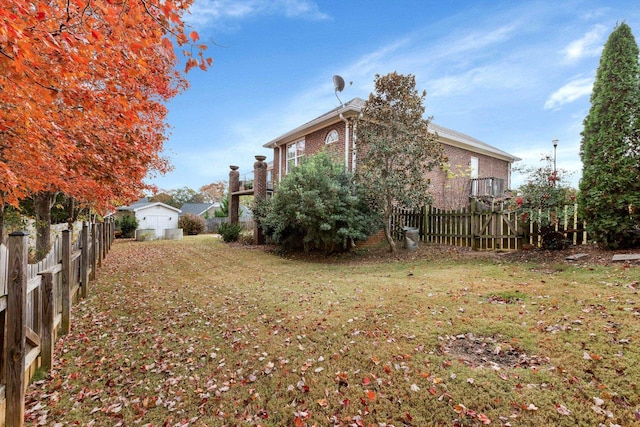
<point x="144" y="203"/>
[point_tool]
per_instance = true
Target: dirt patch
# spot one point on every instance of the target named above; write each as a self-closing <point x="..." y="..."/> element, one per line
<point x="380" y="253"/>
<point x="496" y="353"/>
<point x="594" y="256"/>
<point x="430" y="252"/>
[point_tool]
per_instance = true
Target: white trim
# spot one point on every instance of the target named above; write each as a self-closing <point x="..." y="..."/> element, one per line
<point x="297" y="156"/>
<point x="334" y="137"/>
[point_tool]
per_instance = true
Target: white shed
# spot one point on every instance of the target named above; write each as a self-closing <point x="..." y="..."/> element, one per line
<point x="153" y="216"/>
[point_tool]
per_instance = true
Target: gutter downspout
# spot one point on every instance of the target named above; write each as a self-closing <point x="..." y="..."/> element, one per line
<point x="280" y="164"/>
<point x="353" y="145"/>
<point x="346" y="141"/>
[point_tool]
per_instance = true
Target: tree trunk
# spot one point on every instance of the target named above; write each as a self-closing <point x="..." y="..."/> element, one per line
<point x="387" y="233"/>
<point x="43" y="202"/>
<point x="72" y="212"/>
<point x="386" y="216"/>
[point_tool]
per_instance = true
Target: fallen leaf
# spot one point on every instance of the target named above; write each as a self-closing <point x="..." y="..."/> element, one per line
<point x="460" y="409"/>
<point x="484" y="419"/>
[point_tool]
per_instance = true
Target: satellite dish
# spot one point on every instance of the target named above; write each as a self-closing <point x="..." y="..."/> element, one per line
<point x="338" y="83"/>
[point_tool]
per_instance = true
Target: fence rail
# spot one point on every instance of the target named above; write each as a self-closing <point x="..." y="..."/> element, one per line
<point x="35" y="305"/>
<point x="486" y="228"/>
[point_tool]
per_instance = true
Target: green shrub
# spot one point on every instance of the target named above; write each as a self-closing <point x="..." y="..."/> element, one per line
<point x="191" y="224"/>
<point x="128" y="225"/>
<point x="318" y="206"/>
<point x="229" y="232"/>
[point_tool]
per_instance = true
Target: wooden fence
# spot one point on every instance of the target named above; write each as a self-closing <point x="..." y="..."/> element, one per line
<point x="494" y="228"/>
<point x="35" y="305"/>
<point x="212" y="224"/>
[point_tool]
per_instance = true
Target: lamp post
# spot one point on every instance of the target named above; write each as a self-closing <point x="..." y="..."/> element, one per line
<point x="555" y="170"/>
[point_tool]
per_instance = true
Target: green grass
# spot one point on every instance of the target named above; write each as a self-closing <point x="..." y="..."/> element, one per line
<point x="199" y="332"/>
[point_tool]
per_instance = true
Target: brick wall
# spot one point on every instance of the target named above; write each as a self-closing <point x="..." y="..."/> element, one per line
<point x="448" y="193"/>
<point x="373" y="240"/>
<point x="453" y="193"/>
<point x="314" y="143"/>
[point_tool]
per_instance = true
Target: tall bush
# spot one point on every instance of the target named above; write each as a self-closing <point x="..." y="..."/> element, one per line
<point x="318" y="205"/>
<point x="192" y="224"/>
<point x="542" y="200"/>
<point x="610" y="149"/>
<point x="128" y="225"/>
<point x="395" y="148"/>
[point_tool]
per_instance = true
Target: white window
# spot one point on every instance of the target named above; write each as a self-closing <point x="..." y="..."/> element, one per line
<point x="473" y="174"/>
<point x="295" y="154"/>
<point x="473" y="167"/>
<point x="331" y="137"/>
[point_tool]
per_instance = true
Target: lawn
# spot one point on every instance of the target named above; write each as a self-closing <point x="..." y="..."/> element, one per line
<point x="196" y="332"/>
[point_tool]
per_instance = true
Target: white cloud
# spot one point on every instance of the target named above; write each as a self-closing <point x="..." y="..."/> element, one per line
<point x="214" y="12"/>
<point x="573" y="90"/>
<point x="590" y="45"/>
<point x="498" y="76"/>
<point x="375" y="62"/>
<point x="481" y="40"/>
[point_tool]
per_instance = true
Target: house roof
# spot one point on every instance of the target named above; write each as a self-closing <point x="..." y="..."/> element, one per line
<point x="144" y="203"/>
<point x="197" y="208"/>
<point x="350" y="109"/>
<point x="353" y="108"/>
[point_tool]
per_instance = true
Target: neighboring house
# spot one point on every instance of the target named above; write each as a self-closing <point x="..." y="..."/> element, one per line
<point x="246" y="215"/>
<point x="474" y="169"/>
<point x="151" y="216"/>
<point x="204" y="210"/>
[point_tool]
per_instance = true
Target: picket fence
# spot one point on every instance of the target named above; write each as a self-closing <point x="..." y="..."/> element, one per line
<point x="35" y="305"/>
<point x="491" y="228"/>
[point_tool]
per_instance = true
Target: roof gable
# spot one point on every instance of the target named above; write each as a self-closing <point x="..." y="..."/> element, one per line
<point x="145" y="204"/>
<point x="197" y="208"/>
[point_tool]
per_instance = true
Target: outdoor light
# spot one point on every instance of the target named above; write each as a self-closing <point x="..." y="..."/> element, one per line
<point x="555" y="149"/>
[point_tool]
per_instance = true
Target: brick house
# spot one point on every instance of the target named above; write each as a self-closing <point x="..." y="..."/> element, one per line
<point x="474" y="169"/>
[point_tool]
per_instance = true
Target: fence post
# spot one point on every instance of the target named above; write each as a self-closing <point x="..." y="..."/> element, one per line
<point x="475" y="225"/>
<point x="110" y="235"/>
<point x="112" y="229"/>
<point x="99" y="233"/>
<point x="94" y="253"/>
<point x="103" y="235"/>
<point x="47" y="332"/>
<point x="16" y="324"/>
<point x="84" y="260"/>
<point x="66" y="282"/>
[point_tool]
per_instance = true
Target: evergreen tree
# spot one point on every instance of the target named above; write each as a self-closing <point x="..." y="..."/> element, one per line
<point x="610" y="149"/>
<point x="318" y="206"/>
<point x="395" y="147"/>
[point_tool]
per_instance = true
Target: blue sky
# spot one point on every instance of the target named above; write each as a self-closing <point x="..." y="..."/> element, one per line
<point x="514" y="74"/>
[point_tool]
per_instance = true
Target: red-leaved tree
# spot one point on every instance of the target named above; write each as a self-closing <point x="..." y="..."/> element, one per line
<point x="83" y="91"/>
